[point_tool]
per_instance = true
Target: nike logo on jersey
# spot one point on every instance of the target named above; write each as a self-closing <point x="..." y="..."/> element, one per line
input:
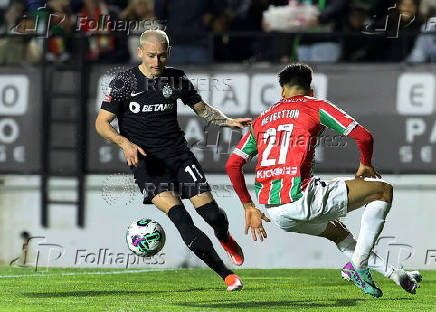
<point x="135" y="94"/>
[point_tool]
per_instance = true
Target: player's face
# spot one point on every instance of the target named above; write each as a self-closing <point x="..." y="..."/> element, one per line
<point x="154" y="57"/>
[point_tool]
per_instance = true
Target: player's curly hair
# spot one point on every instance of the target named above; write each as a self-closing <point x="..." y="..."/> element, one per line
<point x="296" y="74"/>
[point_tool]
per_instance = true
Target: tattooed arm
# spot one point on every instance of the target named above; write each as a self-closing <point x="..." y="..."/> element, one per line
<point x="217" y="118"/>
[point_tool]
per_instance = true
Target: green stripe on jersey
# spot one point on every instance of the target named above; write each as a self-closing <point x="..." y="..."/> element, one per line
<point x="257" y="189"/>
<point x="296" y="189"/>
<point x="330" y="122"/>
<point x="250" y="147"/>
<point x="274" y="194"/>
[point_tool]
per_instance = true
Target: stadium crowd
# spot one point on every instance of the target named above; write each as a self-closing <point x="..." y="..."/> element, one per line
<point x="208" y="31"/>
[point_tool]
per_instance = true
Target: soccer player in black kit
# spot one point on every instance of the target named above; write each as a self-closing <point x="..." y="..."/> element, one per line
<point x="156" y="150"/>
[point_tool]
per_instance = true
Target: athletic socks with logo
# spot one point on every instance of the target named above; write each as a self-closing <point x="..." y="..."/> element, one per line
<point x="196" y="240"/>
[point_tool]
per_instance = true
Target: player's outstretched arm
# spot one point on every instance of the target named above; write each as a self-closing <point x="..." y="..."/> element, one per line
<point x="217" y="118"/>
<point x="106" y="131"/>
<point x="253" y="216"/>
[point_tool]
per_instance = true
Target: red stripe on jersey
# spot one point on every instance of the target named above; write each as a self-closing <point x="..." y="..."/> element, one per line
<point x="264" y="193"/>
<point x="285" y="190"/>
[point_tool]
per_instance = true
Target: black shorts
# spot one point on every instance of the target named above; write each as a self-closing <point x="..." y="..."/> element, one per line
<point x="180" y="173"/>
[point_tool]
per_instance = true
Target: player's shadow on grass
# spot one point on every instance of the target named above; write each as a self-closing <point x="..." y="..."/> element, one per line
<point x="96" y="293"/>
<point x="269" y="304"/>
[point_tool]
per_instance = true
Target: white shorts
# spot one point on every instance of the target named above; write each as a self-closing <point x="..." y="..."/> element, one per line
<point x="321" y="202"/>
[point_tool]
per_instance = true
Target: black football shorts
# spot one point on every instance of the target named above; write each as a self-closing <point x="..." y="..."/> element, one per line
<point x="180" y="173"/>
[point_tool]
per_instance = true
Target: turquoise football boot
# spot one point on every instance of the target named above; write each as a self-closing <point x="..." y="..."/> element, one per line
<point x="362" y="279"/>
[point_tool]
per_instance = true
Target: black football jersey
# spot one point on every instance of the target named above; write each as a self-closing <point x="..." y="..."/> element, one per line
<point x="147" y="108"/>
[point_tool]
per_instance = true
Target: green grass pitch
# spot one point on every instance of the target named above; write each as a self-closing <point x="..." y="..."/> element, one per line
<point x="201" y="290"/>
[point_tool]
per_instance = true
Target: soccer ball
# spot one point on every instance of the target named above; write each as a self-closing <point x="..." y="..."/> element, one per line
<point x="145" y="237"/>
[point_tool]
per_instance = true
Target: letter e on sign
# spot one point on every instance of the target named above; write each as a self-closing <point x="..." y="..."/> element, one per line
<point x="416" y="94"/>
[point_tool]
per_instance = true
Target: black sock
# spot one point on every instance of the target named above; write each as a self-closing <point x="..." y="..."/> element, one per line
<point x="196" y="240"/>
<point x="216" y="218"/>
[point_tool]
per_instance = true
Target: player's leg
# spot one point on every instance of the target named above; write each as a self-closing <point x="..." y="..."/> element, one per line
<point x="193" y="185"/>
<point x="338" y="233"/>
<point x="209" y="210"/>
<point x="194" y="238"/>
<point x="156" y="183"/>
<point x="376" y="196"/>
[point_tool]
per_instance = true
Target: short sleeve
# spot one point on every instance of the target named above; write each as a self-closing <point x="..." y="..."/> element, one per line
<point x="189" y="94"/>
<point x="334" y="118"/>
<point x="247" y="147"/>
<point x="112" y="98"/>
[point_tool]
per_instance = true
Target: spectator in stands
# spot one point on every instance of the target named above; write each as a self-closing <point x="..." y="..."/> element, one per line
<point x="331" y="12"/>
<point x="105" y="46"/>
<point x="397" y="49"/>
<point x="425" y="45"/>
<point x="324" y="48"/>
<point x="97" y="45"/>
<point x="137" y="11"/>
<point x="189" y="25"/>
<point x="356" y="46"/>
<point x="114" y="6"/>
<point x="246" y="16"/>
<point x="117" y="6"/>
<point x="17" y="49"/>
<point x="427" y="9"/>
<point x="56" y="15"/>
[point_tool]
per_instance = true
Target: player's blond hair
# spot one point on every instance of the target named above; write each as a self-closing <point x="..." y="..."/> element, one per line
<point x="153" y="36"/>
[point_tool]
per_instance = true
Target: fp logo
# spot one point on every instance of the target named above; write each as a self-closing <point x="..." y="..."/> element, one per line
<point x="37" y="252"/>
<point x="39" y="25"/>
<point x="395" y="253"/>
<point x="392" y="23"/>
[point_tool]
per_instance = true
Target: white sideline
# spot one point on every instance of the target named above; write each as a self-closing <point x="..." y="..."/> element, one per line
<point x="83" y="273"/>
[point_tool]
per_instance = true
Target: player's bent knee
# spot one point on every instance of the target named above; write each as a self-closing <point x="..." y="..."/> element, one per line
<point x="388" y="191"/>
<point x="335" y="232"/>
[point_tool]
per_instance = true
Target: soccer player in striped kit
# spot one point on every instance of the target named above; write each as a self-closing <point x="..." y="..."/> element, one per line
<point x="284" y="138"/>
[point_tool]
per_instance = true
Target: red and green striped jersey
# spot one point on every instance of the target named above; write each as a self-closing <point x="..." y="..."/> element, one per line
<point x="284" y="137"/>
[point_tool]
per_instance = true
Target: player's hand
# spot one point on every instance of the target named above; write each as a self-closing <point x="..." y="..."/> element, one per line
<point x="253" y="219"/>
<point x="367" y="171"/>
<point x="131" y="153"/>
<point x="238" y="122"/>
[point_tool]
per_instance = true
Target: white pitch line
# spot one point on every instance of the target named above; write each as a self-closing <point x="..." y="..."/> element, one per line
<point x="83" y="273"/>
